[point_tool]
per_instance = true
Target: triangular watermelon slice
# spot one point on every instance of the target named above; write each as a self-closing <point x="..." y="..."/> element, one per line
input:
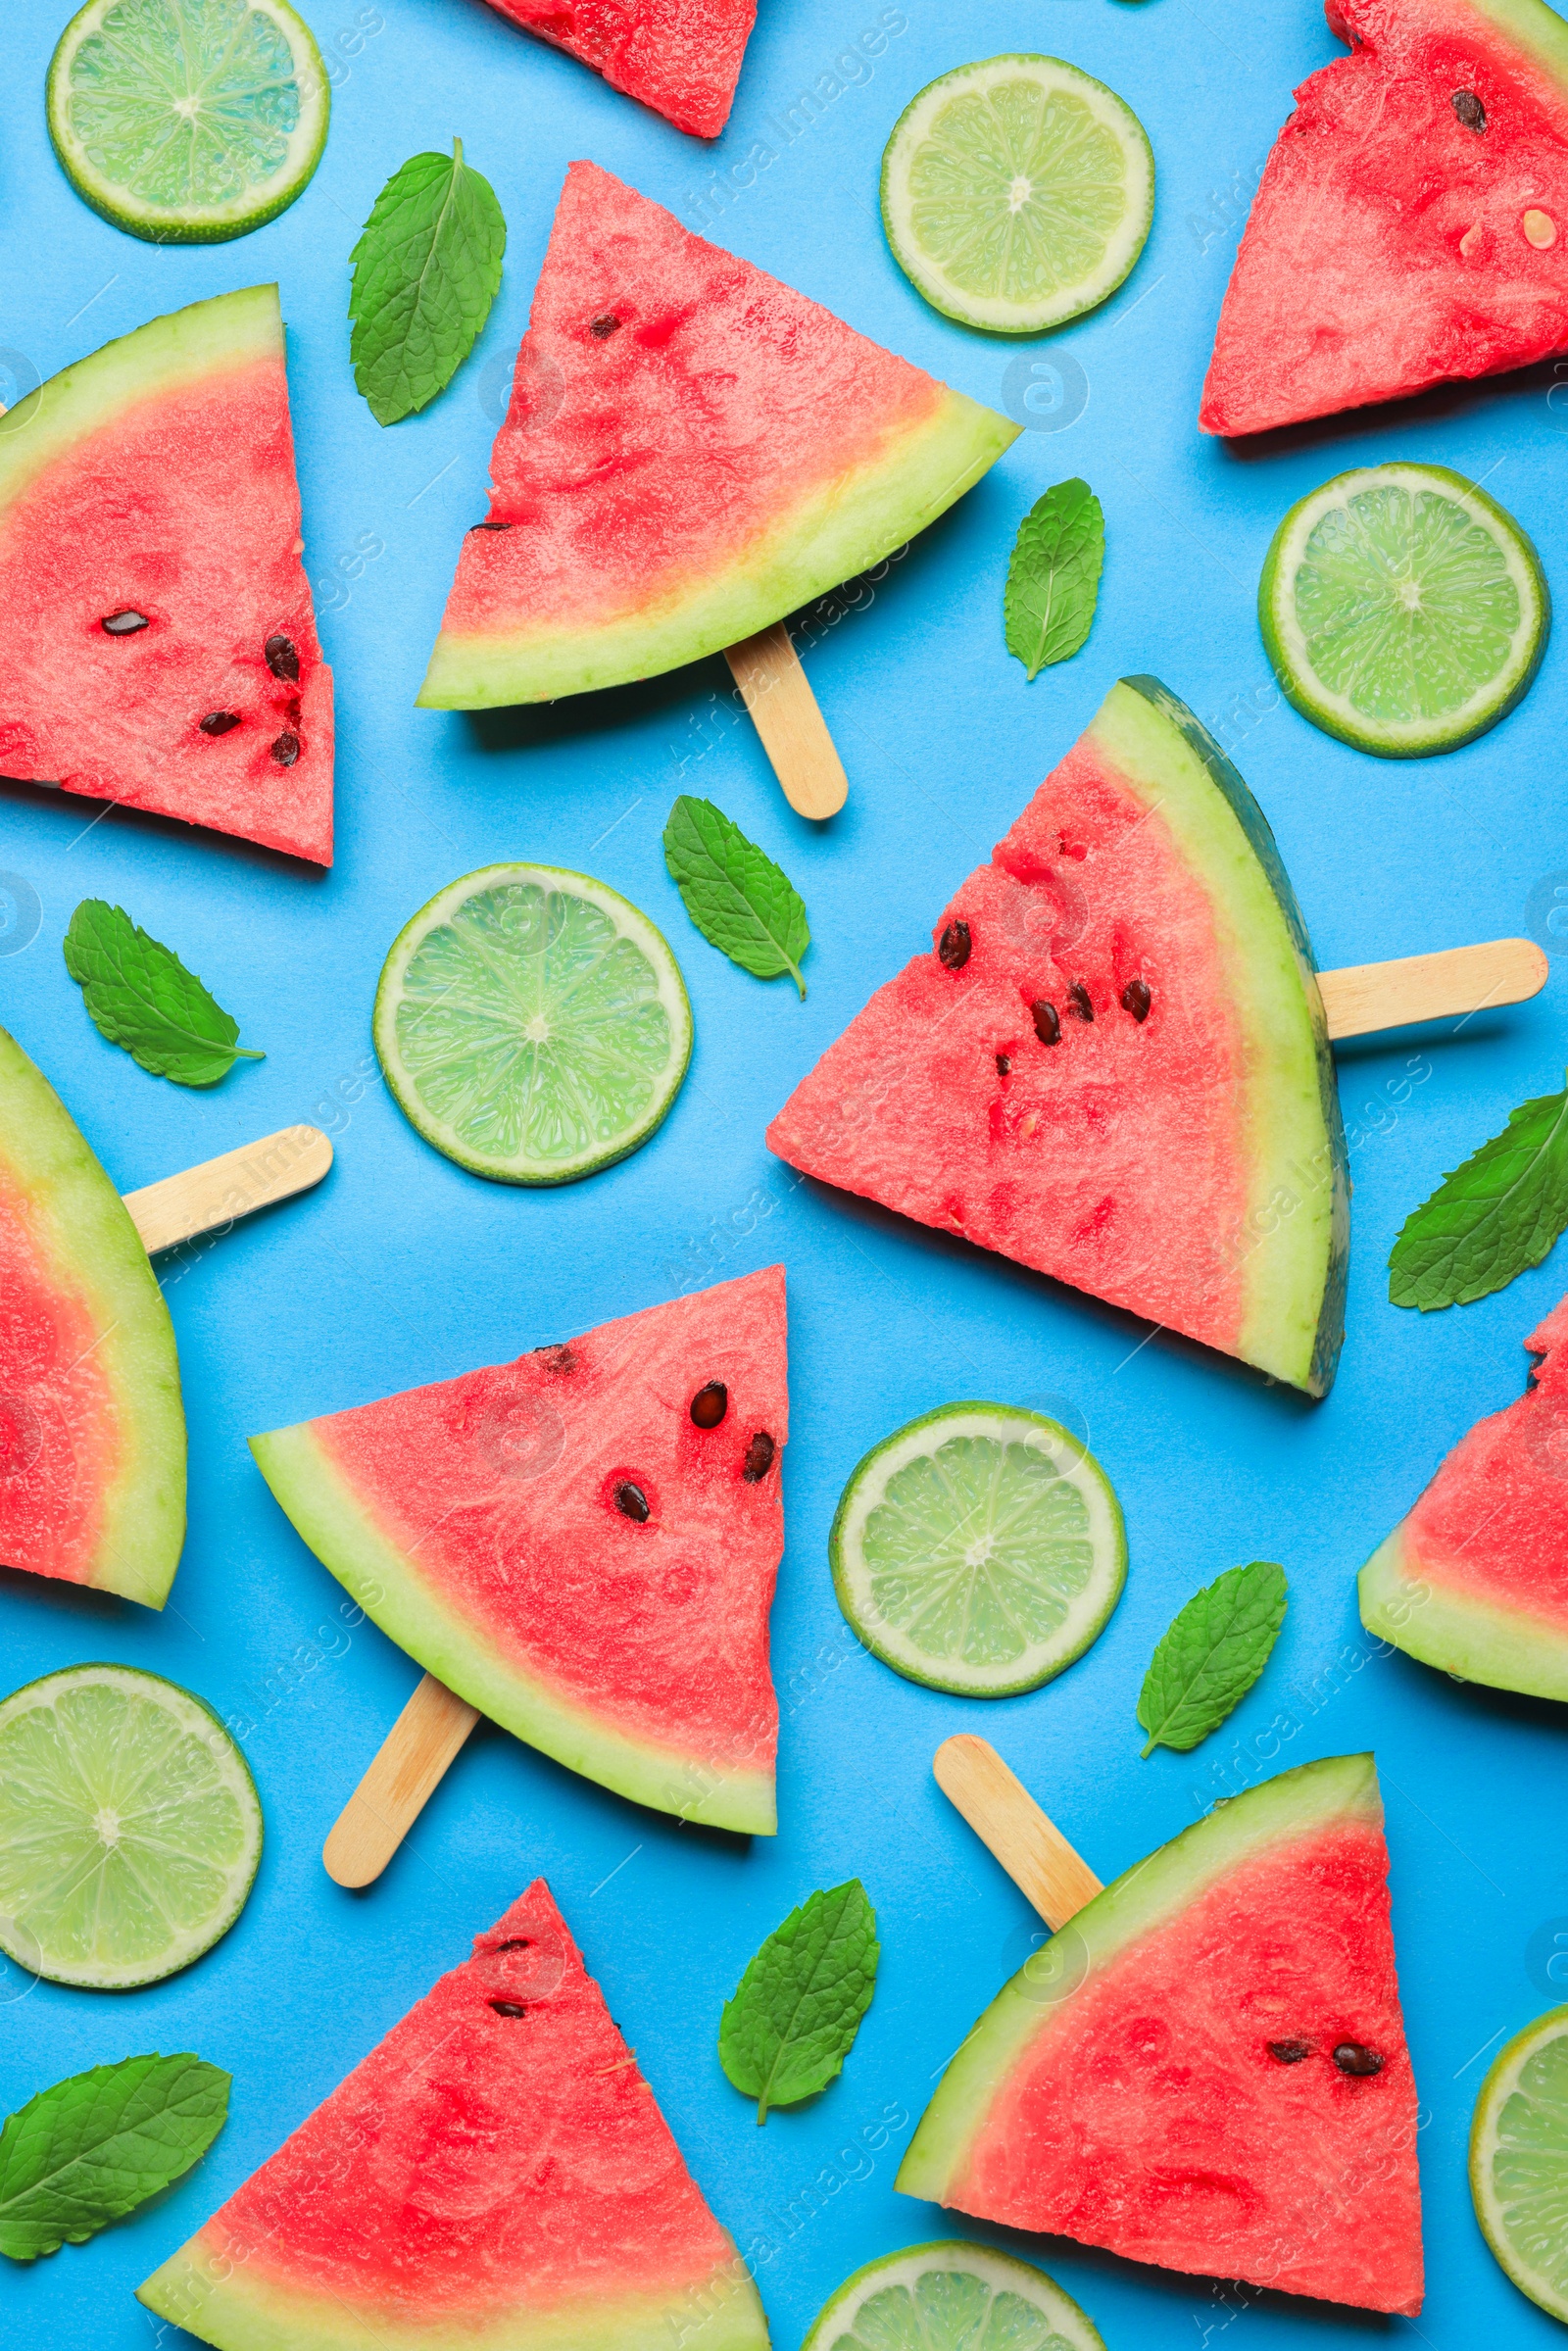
<point x="1114" y="1066"/>
<point x="92" y="1431"/>
<point x="680" y="57"/>
<point x="1412" y="220"/>
<point x="1475" y="1579"/>
<point x="160" y="651"/>
<point x="582" y="1544"/>
<point x="692" y="451"/>
<point x="1206" y="2068"/>
<point x="494" y="2176"/>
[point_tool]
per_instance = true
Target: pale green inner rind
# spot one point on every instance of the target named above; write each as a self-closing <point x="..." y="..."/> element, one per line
<point x="1535" y="28"/>
<point x="903" y="2317"/>
<point x="1506" y="1649"/>
<point x="1296" y="1804"/>
<point x="386" y="1582"/>
<point x="1519" y="2160"/>
<point x="830" y="536"/>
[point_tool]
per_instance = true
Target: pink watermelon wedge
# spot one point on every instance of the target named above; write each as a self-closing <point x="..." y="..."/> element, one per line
<point x="1412" y="220"/>
<point x="1206" y="2068"/>
<point x="582" y="1544"/>
<point x="680" y="57"/>
<point x="160" y="651"/>
<point x="1114" y="1066"/>
<point x="92" y="1431"/>
<point x="1475" y="1581"/>
<point x="692" y="451"/>
<point x="494" y="2175"/>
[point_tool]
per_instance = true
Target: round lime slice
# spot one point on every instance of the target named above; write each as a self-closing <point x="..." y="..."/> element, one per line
<point x="188" y="121"/>
<point x="1519" y="2160"/>
<point x="1017" y="193"/>
<point x="979" y="1549"/>
<point x="1402" y="610"/>
<point x="532" y="1024"/>
<point x="129" y="1828"/>
<point x="949" y="2295"/>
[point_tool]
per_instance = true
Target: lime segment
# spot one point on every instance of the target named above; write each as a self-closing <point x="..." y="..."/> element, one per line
<point x="952" y="2296"/>
<point x="1519" y="2160"/>
<point x="129" y="1828"/>
<point x="979" y="1549"/>
<point x="533" y="1025"/>
<point x="1017" y="193"/>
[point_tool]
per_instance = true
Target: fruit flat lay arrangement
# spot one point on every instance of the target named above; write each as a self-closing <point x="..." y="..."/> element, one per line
<point x="783" y="1153"/>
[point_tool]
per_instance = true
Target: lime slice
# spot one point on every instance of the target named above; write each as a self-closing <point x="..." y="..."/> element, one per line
<point x="979" y="1549"/>
<point x="1519" y="2160"/>
<point x="952" y="2296"/>
<point x="1017" y="193"/>
<point x="1402" y="610"/>
<point x="532" y="1024"/>
<point x="129" y="1830"/>
<point x="188" y="121"/>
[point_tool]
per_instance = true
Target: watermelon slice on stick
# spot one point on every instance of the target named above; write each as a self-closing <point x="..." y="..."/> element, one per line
<point x="680" y="57"/>
<point x="495" y="2175"/>
<point x="1205" y="2067"/>
<point x="161" y="650"/>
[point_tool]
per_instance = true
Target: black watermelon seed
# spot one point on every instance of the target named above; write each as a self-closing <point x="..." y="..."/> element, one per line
<point x="1469" y="109"/>
<point x="1351" y="2058"/>
<point x="487" y="527"/>
<point x="1003" y="1065"/>
<point x="759" y="1456"/>
<point x="1135" y="1000"/>
<point x="633" y="1503"/>
<point x="710" y="1404"/>
<point x="286" y="749"/>
<point x="516" y="1942"/>
<point x="123" y="624"/>
<point x="1048" y="1022"/>
<point x="218" y="722"/>
<point x="1078" y="1000"/>
<point x="509" y="2007"/>
<point x="603" y="326"/>
<point x="1289" y="2052"/>
<point x="282" y="658"/>
<point x="953" y="948"/>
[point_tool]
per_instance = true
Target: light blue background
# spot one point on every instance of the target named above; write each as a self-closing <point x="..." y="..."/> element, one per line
<point x="402" y="1269"/>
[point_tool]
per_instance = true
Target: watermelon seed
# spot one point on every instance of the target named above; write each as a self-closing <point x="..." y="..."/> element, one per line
<point x="123" y="624"/>
<point x="518" y="1942"/>
<point x="1471" y="241"/>
<point x="759" y="1457"/>
<point x="1135" y="1000"/>
<point x="509" y="2008"/>
<point x="218" y="722"/>
<point x="1469" y="109"/>
<point x="953" y="948"/>
<point x="286" y="749"/>
<point x="605" y="326"/>
<point x="710" y="1404"/>
<point x="1289" y="2052"/>
<point x="1048" y="1022"/>
<point x="1003" y="1065"/>
<point x="1541" y="229"/>
<point x="1079" y="998"/>
<point x="631" y="1501"/>
<point x="487" y="527"/>
<point x="282" y="658"/>
<point x="1351" y="2058"/>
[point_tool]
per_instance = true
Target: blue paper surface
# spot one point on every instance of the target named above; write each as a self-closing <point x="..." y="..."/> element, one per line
<point x="402" y="1269"/>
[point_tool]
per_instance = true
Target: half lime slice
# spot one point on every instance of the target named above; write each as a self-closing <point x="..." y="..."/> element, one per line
<point x="1017" y="193"/>
<point x="129" y="1827"/>
<point x="1519" y="2160"/>
<point x="188" y="121"/>
<point x="533" y="1025"/>
<point x="978" y="1549"/>
<point x="1402" y="610"/>
<point x="951" y="2296"/>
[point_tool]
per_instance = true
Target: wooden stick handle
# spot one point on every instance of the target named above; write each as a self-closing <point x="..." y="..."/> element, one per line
<point x="236" y="1184"/>
<point x="400" y="1783"/>
<point x="1366" y="997"/>
<point x="1005" y="1816"/>
<point x="768" y="670"/>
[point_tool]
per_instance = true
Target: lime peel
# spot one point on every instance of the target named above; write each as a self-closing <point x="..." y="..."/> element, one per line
<point x="1519" y="2159"/>
<point x="952" y="2293"/>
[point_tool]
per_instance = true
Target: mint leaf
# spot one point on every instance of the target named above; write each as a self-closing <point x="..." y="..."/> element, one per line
<point x="1054" y="579"/>
<point x="1211" y="1656"/>
<point x="795" y="2016"/>
<point x="91" y="2149"/>
<point x="734" y="893"/>
<point x="425" y="272"/>
<point x="140" y="996"/>
<point x="1493" y="1217"/>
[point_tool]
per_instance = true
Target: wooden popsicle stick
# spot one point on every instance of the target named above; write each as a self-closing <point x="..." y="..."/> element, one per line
<point x="1366" y="997"/>
<point x="235" y="1184"/>
<point x="768" y="670"/>
<point x="399" y="1783"/>
<point x="1005" y="1816"/>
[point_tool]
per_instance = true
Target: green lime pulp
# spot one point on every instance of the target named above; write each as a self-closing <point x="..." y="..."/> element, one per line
<point x="948" y="2310"/>
<point x="1520" y="2173"/>
<point x="1017" y="193"/>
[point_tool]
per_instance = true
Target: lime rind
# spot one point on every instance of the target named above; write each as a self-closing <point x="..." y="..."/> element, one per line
<point x="938" y="2296"/>
<point x="1402" y="610"/>
<point x="1519" y="2160"/>
<point x="979" y="1549"/>
<point x="1017" y="193"/>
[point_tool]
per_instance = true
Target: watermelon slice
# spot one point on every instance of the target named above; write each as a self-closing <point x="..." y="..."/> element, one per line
<point x="159" y="647"/>
<point x="1476" y="1579"/>
<point x="1412" y="220"/>
<point x="1115" y="1066"/>
<point x="1206" y="2068"/>
<point x="692" y="451"/>
<point x="680" y="57"/>
<point x="92" y="1433"/>
<point x="494" y="2176"/>
<point x="582" y="1544"/>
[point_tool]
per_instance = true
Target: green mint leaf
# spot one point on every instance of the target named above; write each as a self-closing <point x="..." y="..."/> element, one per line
<point x="425" y="272"/>
<point x="1054" y="579"/>
<point x="734" y="893"/>
<point x="795" y="2016"/>
<point x="140" y="996"/>
<point x="1493" y="1217"/>
<point x="1211" y="1656"/>
<point x="91" y="2149"/>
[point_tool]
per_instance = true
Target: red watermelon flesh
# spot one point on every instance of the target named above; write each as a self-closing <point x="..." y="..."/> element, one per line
<point x="156" y="480"/>
<point x="495" y="2173"/>
<point x="1390" y="243"/>
<point x="680" y="57"/>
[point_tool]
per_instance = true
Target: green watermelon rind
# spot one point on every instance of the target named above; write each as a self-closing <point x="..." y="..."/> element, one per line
<point x="1137" y="1904"/>
<point x="99" y="1251"/>
<point x="1535" y="28"/>
<point x="1492" y="2101"/>
<point x="1002" y="2272"/>
<point x="1506" y="1648"/>
<point x="839" y="531"/>
<point x="386" y="1583"/>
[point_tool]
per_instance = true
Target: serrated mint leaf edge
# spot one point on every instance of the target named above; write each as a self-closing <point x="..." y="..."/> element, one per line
<point x="84" y="2213"/>
<point x="1236" y="1585"/>
<point x="787" y="938"/>
<point x="1421" y="1238"/>
<point x="1046" y="557"/>
<point x="392" y="385"/>
<point x="109" y="934"/>
<point x="748" y="2015"/>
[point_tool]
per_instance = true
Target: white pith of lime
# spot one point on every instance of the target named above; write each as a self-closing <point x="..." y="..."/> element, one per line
<point x="952" y="2296"/>
<point x="1519" y="2160"/>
